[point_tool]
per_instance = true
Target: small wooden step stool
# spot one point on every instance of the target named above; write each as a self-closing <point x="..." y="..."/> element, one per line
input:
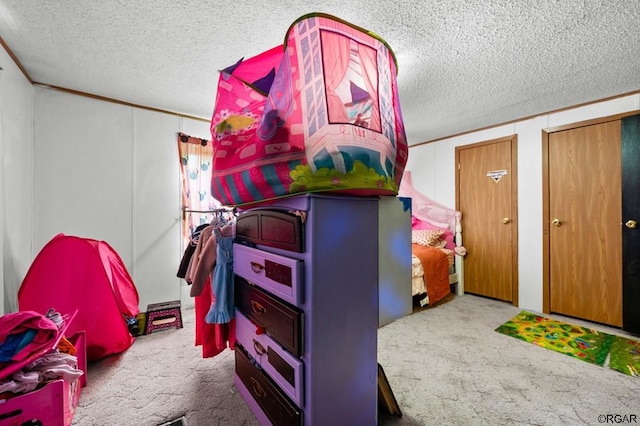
<point x="164" y="315"/>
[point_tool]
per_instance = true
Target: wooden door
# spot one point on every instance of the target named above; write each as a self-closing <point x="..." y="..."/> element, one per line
<point x="486" y="189"/>
<point x="585" y="255"/>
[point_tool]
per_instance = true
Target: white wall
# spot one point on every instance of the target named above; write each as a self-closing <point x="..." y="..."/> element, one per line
<point x="16" y="182"/>
<point x="96" y="169"/>
<point x="75" y="165"/>
<point x="111" y="172"/>
<point x="433" y="173"/>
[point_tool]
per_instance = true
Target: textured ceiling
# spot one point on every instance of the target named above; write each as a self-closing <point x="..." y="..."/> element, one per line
<point x="463" y="64"/>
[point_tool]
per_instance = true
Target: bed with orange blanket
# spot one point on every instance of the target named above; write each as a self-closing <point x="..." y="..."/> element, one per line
<point x="431" y="268"/>
<point x="437" y="250"/>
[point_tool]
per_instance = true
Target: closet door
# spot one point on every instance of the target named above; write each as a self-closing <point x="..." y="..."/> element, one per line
<point x="585" y="255"/>
<point x="631" y="223"/>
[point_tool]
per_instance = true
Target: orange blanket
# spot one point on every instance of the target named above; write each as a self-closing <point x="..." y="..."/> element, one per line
<point x="436" y="271"/>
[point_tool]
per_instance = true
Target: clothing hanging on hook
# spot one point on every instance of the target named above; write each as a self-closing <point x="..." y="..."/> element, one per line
<point x="222" y="217"/>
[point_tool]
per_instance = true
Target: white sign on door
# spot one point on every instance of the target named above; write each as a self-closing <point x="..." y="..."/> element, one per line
<point x="496" y="175"/>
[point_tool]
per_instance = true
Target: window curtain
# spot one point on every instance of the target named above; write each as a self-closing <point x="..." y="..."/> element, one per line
<point x="196" y="157"/>
<point x="335" y="58"/>
<point x="368" y="62"/>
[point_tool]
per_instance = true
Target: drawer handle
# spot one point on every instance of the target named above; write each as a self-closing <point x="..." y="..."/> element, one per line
<point x="256" y="267"/>
<point x="257" y="389"/>
<point x="258" y="308"/>
<point x="260" y="350"/>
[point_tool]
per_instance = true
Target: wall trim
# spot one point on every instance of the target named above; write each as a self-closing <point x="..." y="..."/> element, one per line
<point x="15" y="60"/>
<point x="193" y="117"/>
<point x="597" y="101"/>
<point x="117" y="101"/>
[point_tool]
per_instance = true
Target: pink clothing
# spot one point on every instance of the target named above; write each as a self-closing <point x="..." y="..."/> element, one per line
<point x="19" y="322"/>
<point x="214" y="338"/>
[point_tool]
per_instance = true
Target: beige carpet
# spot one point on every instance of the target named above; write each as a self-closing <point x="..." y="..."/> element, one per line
<point x="446" y="366"/>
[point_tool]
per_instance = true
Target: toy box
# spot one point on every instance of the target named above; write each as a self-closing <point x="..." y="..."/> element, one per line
<point x="53" y="404"/>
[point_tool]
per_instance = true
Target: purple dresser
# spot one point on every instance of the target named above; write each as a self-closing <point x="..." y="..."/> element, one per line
<point x="306" y="293"/>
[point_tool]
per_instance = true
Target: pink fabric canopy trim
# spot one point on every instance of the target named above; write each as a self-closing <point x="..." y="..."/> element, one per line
<point x="425" y="208"/>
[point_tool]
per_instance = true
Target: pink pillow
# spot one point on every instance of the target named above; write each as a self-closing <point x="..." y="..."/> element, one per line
<point x="448" y="237"/>
<point x="417" y="224"/>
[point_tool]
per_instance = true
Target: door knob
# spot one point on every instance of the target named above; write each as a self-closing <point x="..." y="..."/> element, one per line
<point x="556" y="222"/>
<point x="506" y="220"/>
<point x="631" y="224"/>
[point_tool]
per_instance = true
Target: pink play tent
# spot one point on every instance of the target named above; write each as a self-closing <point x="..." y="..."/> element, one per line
<point x="73" y="273"/>
<point x="318" y="113"/>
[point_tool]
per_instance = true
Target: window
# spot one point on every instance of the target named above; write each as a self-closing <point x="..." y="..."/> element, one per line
<point x="196" y="157"/>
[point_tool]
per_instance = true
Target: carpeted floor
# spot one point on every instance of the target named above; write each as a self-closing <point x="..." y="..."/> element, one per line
<point x="446" y="366"/>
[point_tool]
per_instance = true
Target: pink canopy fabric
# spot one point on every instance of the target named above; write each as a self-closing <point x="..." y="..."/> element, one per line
<point x="81" y="274"/>
<point x="427" y="210"/>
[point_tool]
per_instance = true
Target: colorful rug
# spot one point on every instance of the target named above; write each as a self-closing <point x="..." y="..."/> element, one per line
<point x="580" y="342"/>
<point x="625" y="356"/>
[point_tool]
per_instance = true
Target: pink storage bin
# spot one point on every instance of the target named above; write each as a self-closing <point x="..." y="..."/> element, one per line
<point x="52" y="405"/>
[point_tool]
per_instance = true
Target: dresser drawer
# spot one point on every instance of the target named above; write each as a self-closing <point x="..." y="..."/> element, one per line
<point x="273" y="228"/>
<point x="280" y="320"/>
<point x="279" y="275"/>
<point x="285" y="369"/>
<point x="275" y="405"/>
